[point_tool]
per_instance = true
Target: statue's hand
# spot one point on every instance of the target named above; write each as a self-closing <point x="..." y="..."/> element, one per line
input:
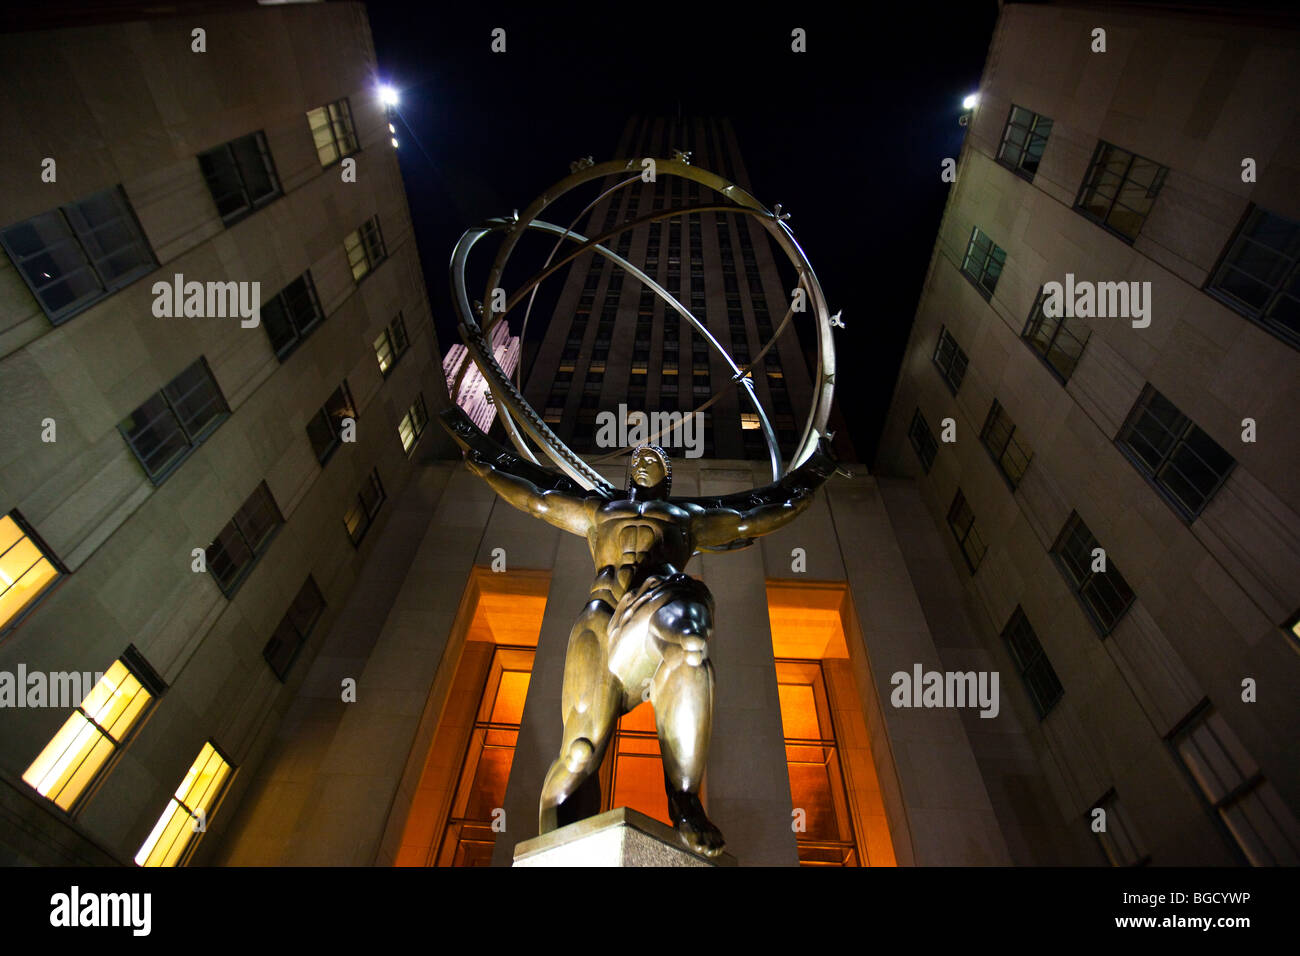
<point x="476" y="463"/>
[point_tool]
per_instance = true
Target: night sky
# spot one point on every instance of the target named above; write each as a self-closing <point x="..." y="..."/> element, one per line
<point x="848" y="136"/>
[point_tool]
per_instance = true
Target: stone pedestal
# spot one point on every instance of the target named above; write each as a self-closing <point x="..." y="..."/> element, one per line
<point x="620" y="837"/>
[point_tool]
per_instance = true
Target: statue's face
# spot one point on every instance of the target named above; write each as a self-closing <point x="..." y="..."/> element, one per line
<point x="648" y="468"/>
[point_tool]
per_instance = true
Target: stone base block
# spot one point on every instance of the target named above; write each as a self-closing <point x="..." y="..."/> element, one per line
<point x="621" y="837"/>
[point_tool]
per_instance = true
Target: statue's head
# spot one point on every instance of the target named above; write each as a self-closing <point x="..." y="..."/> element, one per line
<point x="650" y="471"/>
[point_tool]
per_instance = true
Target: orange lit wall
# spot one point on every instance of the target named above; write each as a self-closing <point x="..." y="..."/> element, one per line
<point x="828" y="751"/>
<point x="479" y="693"/>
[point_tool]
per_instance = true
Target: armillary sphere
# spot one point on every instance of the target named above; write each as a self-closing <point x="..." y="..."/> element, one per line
<point x="521" y="421"/>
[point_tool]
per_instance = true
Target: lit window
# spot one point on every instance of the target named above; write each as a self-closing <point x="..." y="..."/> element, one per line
<point x="283" y="647"/>
<point x="175" y="420"/>
<point x="365" y="247"/>
<point x="1058" y="340"/>
<point x="983" y="262"/>
<point x="391" y="344"/>
<point x="1251" y="808"/>
<point x="75" y="255"/>
<point x="243" y="540"/>
<point x="332" y="131"/>
<point x="1011" y="453"/>
<point x="361" y="516"/>
<point x="749" y="421"/>
<point x="950" y="360"/>
<point x="100" y="726"/>
<point x="922" y="439"/>
<point x="325" y="430"/>
<point x="1260" y="273"/>
<point x="189" y="813"/>
<point x="1023" y="141"/>
<point x="1035" y="669"/>
<point x="1119" y="190"/>
<point x="1186" y="465"/>
<point x="962" y="522"/>
<point x="291" y="315"/>
<point x="27" y="569"/>
<point x="1104" y="594"/>
<point x="240" y="176"/>
<point x="412" y="425"/>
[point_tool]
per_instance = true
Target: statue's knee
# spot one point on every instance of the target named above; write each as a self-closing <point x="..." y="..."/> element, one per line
<point x="578" y="757"/>
<point x="695" y="650"/>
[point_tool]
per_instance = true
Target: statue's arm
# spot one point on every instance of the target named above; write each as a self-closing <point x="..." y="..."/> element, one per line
<point x="770" y="508"/>
<point x="567" y="512"/>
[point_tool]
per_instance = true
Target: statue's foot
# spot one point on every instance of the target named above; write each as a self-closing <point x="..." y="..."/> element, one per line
<point x="694" y="828"/>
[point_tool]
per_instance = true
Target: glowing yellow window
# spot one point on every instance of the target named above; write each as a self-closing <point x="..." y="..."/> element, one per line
<point x="357" y="257"/>
<point x="178" y="830"/>
<point x="87" y="741"/>
<point x="26" y="571"/>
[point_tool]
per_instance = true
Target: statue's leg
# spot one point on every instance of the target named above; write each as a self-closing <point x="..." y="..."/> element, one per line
<point x="682" y="696"/>
<point x="589" y="705"/>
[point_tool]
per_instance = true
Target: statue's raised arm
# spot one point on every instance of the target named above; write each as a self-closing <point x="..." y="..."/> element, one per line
<point x="566" y="511"/>
<point x="734" y="521"/>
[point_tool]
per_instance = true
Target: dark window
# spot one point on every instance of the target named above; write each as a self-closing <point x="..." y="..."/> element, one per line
<point x="174" y="421"/>
<point x="1259" y="275"/>
<point x="391" y="345"/>
<point x="962" y="522"/>
<point x="240" y="175"/>
<point x="1023" y="141"/>
<point x="1119" y="190"/>
<point x="983" y="263"/>
<point x="1183" y="462"/>
<point x="922" y="440"/>
<point x="1119" y="840"/>
<point x="1010" y="451"/>
<point x="1035" y="669"/>
<point x="1059" y="340"/>
<point x="365" y="247"/>
<point x="950" y="360"/>
<point x="362" y="514"/>
<point x="75" y="255"/>
<point x="1104" y="595"/>
<point x="326" y="427"/>
<point x="288" y="639"/>
<point x="291" y="315"/>
<point x="243" y="540"/>
<point x="333" y="132"/>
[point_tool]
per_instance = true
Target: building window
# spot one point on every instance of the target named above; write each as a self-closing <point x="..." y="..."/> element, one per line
<point x="1119" y="841"/>
<point x="174" y="421"/>
<point x="326" y="427"/>
<point x="1059" y="340"/>
<point x="100" y="727"/>
<point x="365" y="247"/>
<point x="1120" y="190"/>
<point x="962" y="522"/>
<point x="1035" y="669"/>
<point x="950" y="360"/>
<point x="243" y="540"/>
<point x="1023" y="141"/>
<point x="749" y="422"/>
<point x="1006" y="444"/>
<point x="412" y="425"/>
<point x="1292" y="628"/>
<point x="1259" y="275"/>
<point x="1186" y="465"/>
<point x="283" y="647"/>
<point x="922" y="439"/>
<point x="1092" y="576"/>
<point x="189" y="812"/>
<point x="1250" y="807"/>
<point x="291" y="315"/>
<point x="983" y="263"/>
<point x="75" y="255"/>
<point x="28" y="569"/>
<point x="391" y="345"/>
<point x="332" y="131"/>
<point x="361" y="515"/>
<point x="241" y="176"/>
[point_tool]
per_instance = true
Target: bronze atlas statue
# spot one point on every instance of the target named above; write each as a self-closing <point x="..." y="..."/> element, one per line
<point x="643" y="633"/>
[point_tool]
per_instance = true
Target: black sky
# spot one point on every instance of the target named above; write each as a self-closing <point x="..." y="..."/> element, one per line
<point x="848" y="136"/>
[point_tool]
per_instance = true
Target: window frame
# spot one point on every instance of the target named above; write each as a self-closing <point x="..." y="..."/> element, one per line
<point x="1043" y="704"/>
<point x="946" y="373"/>
<point x="251" y="206"/>
<point x="1097" y="166"/>
<point x="256" y="552"/>
<point x="364" y="528"/>
<point x="417" y="430"/>
<point x="192" y="441"/>
<point x="993" y="253"/>
<point x="1031" y="134"/>
<point x="1260" y="317"/>
<point x="336" y="438"/>
<point x="195" y="835"/>
<point x="1078" y="587"/>
<point x="927" y="461"/>
<point x="26" y="531"/>
<point x="369" y="238"/>
<point x="959" y="502"/>
<point x="347" y="120"/>
<point x="1026" y="450"/>
<point x="1037" y="319"/>
<point x="301" y="637"/>
<point x="301" y="334"/>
